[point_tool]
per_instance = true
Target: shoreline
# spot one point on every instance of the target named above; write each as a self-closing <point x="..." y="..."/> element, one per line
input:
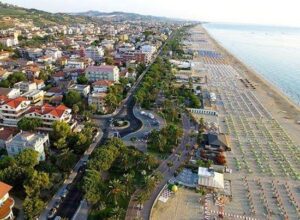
<point x="282" y="108"/>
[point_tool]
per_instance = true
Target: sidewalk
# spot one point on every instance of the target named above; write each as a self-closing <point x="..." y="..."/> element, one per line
<point x="71" y="177"/>
<point x="82" y="211"/>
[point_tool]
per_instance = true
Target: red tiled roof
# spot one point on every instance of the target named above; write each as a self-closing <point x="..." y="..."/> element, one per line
<point x="6" y="132"/>
<point x="59" y="74"/>
<point x="5" y="209"/>
<point x="56" y="111"/>
<point x="55" y="90"/>
<point x="4" y="188"/>
<point x="14" y="103"/>
<point x="103" y="83"/>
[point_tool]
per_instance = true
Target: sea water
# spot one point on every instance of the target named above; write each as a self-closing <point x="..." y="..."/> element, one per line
<point x="273" y="52"/>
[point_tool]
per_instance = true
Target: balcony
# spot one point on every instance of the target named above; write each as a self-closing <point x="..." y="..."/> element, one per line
<point x="6" y="209"/>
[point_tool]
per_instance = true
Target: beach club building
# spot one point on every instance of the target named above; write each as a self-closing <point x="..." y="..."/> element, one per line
<point x="6" y="202"/>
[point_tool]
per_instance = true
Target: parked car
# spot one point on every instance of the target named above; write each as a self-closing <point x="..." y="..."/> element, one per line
<point x="57" y="204"/>
<point x="57" y="218"/>
<point x="64" y="193"/>
<point x="52" y="213"/>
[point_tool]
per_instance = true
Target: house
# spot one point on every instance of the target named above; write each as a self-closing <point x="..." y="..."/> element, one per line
<point x="12" y="110"/>
<point x="50" y="114"/>
<point x="74" y="63"/>
<point x="40" y="84"/>
<point x="32" y="71"/>
<point x="4" y="74"/>
<point x="207" y="177"/>
<point x="10" y="93"/>
<point x="36" y="97"/>
<point x="103" y="72"/>
<point x="102" y="85"/>
<point x="6" y="133"/>
<point x="58" y="76"/>
<point x="6" y="202"/>
<point x="34" y="53"/>
<point x="84" y="90"/>
<point x="98" y="99"/>
<point x="28" y="140"/>
<point x="94" y="53"/>
<point x="4" y="55"/>
<point x="25" y="86"/>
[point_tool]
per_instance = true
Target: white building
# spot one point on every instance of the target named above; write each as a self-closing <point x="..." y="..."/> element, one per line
<point x="148" y="49"/>
<point x="98" y="99"/>
<point x="55" y="53"/>
<point x="102" y="85"/>
<point x="94" y="53"/>
<point x="211" y="179"/>
<point x="12" y="110"/>
<point x="25" y="86"/>
<point x="28" y="140"/>
<point x="10" y="93"/>
<point x="104" y="72"/>
<point x="84" y="90"/>
<point x="50" y="114"/>
<point x="75" y="64"/>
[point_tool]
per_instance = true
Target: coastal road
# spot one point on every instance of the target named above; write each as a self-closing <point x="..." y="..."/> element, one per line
<point x="124" y="111"/>
<point x="168" y="172"/>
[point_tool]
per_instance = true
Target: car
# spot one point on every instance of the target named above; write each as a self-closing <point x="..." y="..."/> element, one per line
<point x="52" y="213"/>
<point x="57" y="204"/>
<point x="64" y="193"/>
<point x="57" y="218"/>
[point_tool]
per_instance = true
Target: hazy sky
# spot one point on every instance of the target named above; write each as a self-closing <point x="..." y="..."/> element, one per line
<point x="280" y="12"/>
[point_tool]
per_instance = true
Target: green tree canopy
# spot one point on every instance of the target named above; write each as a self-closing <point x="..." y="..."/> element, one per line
<point x="29" y="124"/>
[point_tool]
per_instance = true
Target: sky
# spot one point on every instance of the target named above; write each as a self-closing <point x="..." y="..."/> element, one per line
<point x="273" y="12"/>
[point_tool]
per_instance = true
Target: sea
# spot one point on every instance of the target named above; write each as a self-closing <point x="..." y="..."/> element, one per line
<point x="273" y="52"/>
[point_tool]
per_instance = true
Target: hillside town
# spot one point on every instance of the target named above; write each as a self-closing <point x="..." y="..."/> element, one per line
<point x="125" y="116"/>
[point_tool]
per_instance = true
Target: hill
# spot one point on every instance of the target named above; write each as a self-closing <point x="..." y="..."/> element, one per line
<point x="122" y="16"/>
<point x="38" y="17"/>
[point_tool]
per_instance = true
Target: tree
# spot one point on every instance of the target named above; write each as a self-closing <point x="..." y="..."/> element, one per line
<point x="29" y="124"/>
<point x="66" y="160"/>
<point x="32" y="207"/>
<point x="36" y="182"/>
<point x="116" y="190"/>
<point x="117" y="213"/>
<point x="4" y="83"/>
<point x="82" y="80"/>
<point x="72" y="98"/>
<point x="16" y="77"/>
<point x="93" y="187"/>
<point x="109" y="61"/>
<point x="28" y="158"/>
<point x="75" y="109"/>
<point x="61" y="129"/>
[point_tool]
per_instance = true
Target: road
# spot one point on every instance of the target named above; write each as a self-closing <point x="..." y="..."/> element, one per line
<point x="124" y="111"/>
<point x="73" y="177"/>
<point x="133" y="211"/>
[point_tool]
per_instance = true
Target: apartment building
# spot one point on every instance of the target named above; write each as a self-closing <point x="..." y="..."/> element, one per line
<point x="103" y="72"/>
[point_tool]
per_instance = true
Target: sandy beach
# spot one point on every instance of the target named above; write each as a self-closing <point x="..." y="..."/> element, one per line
<point x="285" y="111"/>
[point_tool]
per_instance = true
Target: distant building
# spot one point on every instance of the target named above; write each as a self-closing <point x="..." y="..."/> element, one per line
<point x="25" y="86"/>
<point x="6" y="202"/>
<point x="84" y="90"/>
<point x="10" y="93"/>
<point x="98" y="99"/>
<point x="103" y="72"/>
<point x="102" y="85"/>
<point x="36" y="97"/>
<point x="28" y="140"/>
<point x="95" y="53"/>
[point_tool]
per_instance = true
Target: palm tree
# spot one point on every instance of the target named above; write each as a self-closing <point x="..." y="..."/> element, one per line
<point x="117" y="213"/>
<point x="128" y="180"/>
<point x="116" y="190"/>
